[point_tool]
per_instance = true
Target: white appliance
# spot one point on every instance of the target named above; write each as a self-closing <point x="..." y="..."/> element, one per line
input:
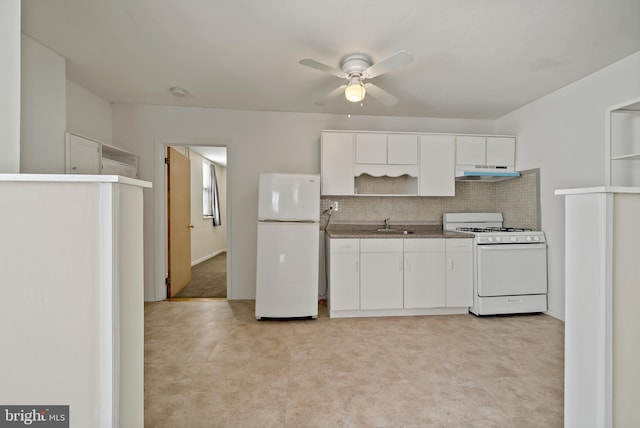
<point x="288" y="247"/>
<point x="510" y="264"/>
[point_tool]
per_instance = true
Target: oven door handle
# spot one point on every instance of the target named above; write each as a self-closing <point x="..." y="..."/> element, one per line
<point x="504" y="247"/>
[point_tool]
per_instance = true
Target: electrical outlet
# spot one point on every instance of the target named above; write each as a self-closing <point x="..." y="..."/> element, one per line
<point x="325" y="204"/>
<point x="334" y="206"/>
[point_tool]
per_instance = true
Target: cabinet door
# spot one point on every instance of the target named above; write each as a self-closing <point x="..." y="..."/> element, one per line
<point x="402" y="149"/>
<point x="344" y="274"/>
<point x="371" y="148"/>
<point x="501" y="151"/>
<point x="470" y="150"/>
<point x="459" y="273"/>
<point x="337" y="163"/>
<point x="437" y="165"/>
<point x="344" y="288"/>
<point x="381" y="281"/>
<point x="83" y="155"/>
<point x="424" y="280"/>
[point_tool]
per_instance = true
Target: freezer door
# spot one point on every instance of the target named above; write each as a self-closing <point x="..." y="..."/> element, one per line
<point x="287" y="270"/>
<point x="289" y="197"/>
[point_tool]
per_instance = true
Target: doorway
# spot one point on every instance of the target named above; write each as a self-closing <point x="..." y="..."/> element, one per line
<point x="207" y="225"/>
<point x="209" y="262"/>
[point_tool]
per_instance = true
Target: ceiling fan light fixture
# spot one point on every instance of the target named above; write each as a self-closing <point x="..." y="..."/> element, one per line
<point x="355" y="91"/>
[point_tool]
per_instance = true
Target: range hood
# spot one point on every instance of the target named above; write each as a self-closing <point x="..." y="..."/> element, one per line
<point x="485" y="173"/>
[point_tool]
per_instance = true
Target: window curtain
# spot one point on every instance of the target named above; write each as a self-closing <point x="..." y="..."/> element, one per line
<point x="213" y="197"/>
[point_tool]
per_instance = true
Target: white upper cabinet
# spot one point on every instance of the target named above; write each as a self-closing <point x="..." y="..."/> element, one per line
<point x="86" y="156"/>
<point x="336" y="163"/>
<point x="470" y="150"/>
<point x="501" y="151"/>
<point x="386" y="149"/>
<point x="409" y="164"/>
<point x="371" y="148"/>
<point x="437" y="165"/>
<point x="402" y="149"/>
<point x="477" y="150"/>
<point x="82" y="155"/>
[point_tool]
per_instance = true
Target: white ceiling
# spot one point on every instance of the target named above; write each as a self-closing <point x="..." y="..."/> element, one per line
<point x="473" y="58"/>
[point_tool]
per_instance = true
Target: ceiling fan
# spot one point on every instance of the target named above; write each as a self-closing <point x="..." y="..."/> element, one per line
<point x="356" y="68"/>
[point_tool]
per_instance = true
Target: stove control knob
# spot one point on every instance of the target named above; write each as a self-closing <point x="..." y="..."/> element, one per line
<point x="514" y="239"/>
<point x="498" y="239"/>
<point x="528" y="238"/>
<point x="536" y="238"/>
<point x="490" y="239"/>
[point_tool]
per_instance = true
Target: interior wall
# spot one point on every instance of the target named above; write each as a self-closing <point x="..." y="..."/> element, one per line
<point x="564" y="134"/>
<point x="207" y="240"/>
<point x="88" y="114"/>
<point x="257" y="141"/>
<point x="43" y="109"/>
<point x="10" y="42"/>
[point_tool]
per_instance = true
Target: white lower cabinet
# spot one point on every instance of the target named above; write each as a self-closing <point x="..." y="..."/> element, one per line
<point x="389" y="276"/>
<point x="424" y="273"/>
<point x="381" y="275"/>
<point x="459" y="273"/>
<point x="343" y="274"/>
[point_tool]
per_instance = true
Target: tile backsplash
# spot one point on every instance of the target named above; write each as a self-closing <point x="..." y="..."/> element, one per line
<point x="518" y="199"/>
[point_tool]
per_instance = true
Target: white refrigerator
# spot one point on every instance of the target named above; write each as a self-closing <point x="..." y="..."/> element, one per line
<point x="288" y="246"/>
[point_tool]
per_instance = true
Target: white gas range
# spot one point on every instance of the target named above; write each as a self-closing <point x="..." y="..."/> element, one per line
<point x="510" y="264"/>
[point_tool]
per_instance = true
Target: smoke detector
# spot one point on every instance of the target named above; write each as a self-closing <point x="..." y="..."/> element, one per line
<point x="178" y="92"/>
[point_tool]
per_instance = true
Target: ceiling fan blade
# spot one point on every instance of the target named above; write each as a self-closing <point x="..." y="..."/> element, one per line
<point x="322" y="67"/>
<point x="329" y="97"/>
<point x="380" y="94"/>
<point x="397" y="60"/>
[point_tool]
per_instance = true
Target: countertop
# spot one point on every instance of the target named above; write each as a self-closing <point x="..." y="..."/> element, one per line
<point x="366" y="231"/>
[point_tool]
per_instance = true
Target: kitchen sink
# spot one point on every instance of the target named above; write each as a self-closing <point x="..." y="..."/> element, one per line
<point x="398" y="231"/>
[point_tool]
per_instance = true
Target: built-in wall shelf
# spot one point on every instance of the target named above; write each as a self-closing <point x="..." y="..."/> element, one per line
<point x="624" y="145"/>
<point x="87" y="156"/>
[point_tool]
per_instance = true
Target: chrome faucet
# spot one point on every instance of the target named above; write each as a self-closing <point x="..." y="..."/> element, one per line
<point x="386" y="223"/>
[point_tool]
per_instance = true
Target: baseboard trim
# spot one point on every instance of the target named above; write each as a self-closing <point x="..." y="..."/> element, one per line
<point x="207" y="257"/>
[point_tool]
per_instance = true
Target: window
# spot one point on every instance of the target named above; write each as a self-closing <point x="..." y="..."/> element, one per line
<point x="210" y="201"/>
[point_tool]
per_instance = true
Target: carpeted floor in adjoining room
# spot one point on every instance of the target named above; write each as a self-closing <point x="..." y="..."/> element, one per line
<point x="208" y="279"/>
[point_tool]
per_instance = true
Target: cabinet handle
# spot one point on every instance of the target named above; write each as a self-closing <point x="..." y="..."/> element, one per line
<point x="450" y="263"/>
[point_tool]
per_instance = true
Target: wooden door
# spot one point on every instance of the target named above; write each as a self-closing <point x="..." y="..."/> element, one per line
<point x="179" y="219"/>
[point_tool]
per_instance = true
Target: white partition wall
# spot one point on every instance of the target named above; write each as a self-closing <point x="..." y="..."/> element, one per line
<point x="71" y="296"/>
<point x="602" y="340"/>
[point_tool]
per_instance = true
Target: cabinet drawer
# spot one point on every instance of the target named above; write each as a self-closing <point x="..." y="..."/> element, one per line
<point x="381" y="245"/>
<point x="344" y="245"/>
<point x="424" y="245"/>
<point x="459" y="245"/>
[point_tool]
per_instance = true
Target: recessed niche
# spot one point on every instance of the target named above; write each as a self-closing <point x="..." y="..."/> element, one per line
<point x="366" y="184"/>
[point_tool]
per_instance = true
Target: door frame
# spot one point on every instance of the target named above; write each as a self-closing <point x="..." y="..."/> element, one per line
<point x="160" y="209"/>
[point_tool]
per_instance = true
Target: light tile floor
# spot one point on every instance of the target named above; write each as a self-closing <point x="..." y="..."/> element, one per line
<point x="211" y="364"/>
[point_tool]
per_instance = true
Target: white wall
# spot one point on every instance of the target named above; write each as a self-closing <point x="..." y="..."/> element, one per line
<point x="88" y="114"/>
<point x="207" y="240"/>
<point x="563" y="134"/>
<point x="10" y="86"/>
<point x="257" y="142"/>
<point x="43" y="110"/>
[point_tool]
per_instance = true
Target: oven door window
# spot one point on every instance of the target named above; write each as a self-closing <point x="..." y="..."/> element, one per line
<point x="506" y="270"/>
